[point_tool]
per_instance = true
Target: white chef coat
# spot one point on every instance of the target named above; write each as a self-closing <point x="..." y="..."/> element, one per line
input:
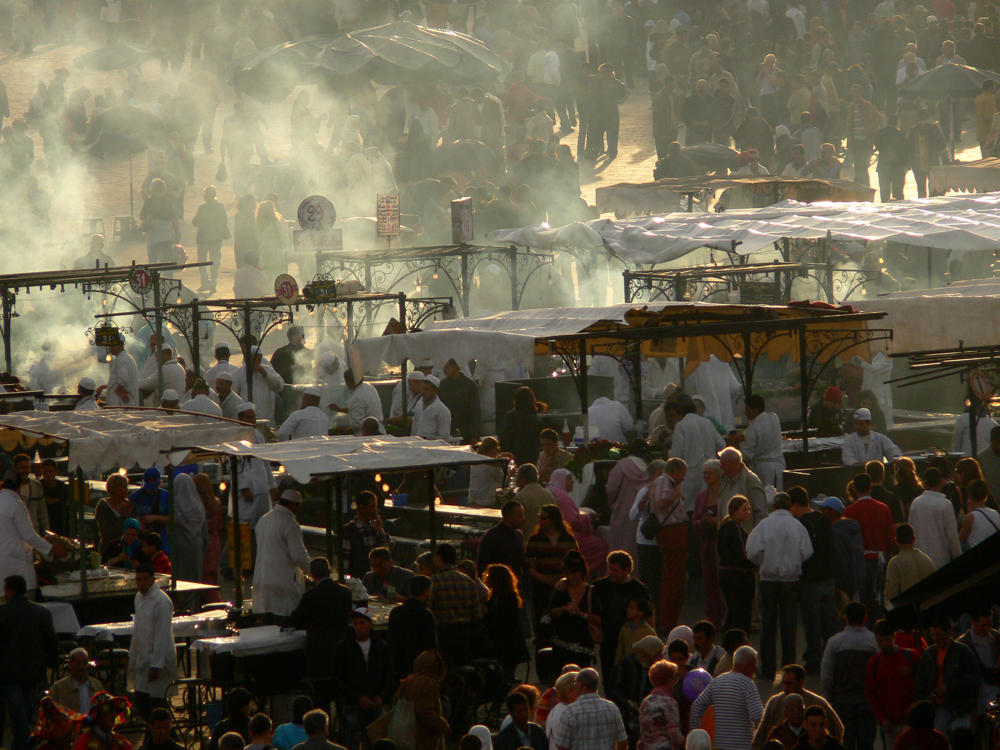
<point x="695" y="440"/>
<point x="123" y="372"/>
<point x="265" y="386"/>
<point x="152" y="643"/>
<point x="935" y="529"/>
<point x="217" y="369"/>
<point x="604" y="366"/>
<point x="202" y="404"/>
<point x="962" y="443"/>
<point x="762" y="448"/>
<point x="173" y="377"/>
<point x="432" y="421"/>
<point x="86" y="403"/>
<point x="396" y="406"/>
<point x="281" y="553"/>
<point x="611" y="419"/>
<point x="857" y="450"/>
<point x="230" y="405"/>
<point x="305" y="422"/>
<point x="715" y="382"/>
<point x="17" y="538"/>
<point x="363" y="403"/>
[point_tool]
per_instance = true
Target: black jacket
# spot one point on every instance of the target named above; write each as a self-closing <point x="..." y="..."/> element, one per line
<point x="961" y="677"/>
<point x="412" y="631"/>
<point x="357" y="677"/>
<point x="820" y="566"/>
<point x="29" y="642"/>
<point x="324" y="612"/>
<point x="510" y="738"/>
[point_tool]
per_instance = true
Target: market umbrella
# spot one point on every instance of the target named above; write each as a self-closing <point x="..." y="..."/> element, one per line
<point x="712" y="156"/>
<point x="115" y="56"/>
<point x="392" y="53"/>
<point x="125" y="130"/>
<point x="950" y="79"/>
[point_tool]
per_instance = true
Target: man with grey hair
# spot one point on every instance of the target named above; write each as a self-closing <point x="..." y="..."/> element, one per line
<point x="532" y="495"/>
<point x="778" y="546"/>
<point x="316" y="725"/>
<point x="591" y="722"/>
<point x="736" y="701"/>
<point x="75" y="690"/>
<point x="737" y="479"/>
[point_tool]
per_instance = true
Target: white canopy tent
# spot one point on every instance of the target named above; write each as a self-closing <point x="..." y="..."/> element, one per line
<point x="105" y="439"/>
<point x="966" y="222"/>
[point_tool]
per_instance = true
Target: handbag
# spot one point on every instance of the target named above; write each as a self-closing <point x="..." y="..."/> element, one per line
<point x="651" y="525"/>
<point x="596" y="630"/>
<point x="399" y="724"/>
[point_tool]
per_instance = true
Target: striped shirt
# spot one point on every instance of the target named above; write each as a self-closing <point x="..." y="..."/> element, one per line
<point x="590" y="723"/>
<point x="737" y="710"/>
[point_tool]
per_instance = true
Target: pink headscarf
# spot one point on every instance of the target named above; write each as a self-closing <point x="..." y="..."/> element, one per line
<point x="558" y="482"/>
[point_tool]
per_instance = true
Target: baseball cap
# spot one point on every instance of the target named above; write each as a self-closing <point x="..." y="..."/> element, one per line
<point x="831" y="503"/>
<point x="362" y="612"/>
<point x="151" y="475"/>
<point x="863" y="415"/>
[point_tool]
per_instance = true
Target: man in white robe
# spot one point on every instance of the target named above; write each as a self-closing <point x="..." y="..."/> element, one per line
<point x="122" y="388"/>
<point x="696" y="440"/>
<point x="267" y="383"/>
<point x="254" y="477"/>
<point x="761" y="443"/>
<point x="281" y="555"/>
<point x="152" y="656"/>
<point x="307" y="421"/>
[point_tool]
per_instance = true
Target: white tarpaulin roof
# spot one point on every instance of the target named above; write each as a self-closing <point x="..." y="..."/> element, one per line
<point x="104" y="439"/>
<point x="505" y="338"/>
<point x="967" y="310"/>
<point x="966" y="222"/>
<point x="328" y="455"/>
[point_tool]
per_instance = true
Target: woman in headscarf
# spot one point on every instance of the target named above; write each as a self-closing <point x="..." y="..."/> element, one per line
<point x="592" y="547"/>
<point x="423" y="688"/>
<point x="190" y="536"/>
<point x="126" y="551"/>
<point x="215" y="522"/>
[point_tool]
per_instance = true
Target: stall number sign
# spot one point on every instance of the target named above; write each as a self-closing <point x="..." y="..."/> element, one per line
<point x="387" y="215"/>
<point x="316" y="213"/>
<point x="461" y="220"/>
<point x="286" y="289"/>
<point x="141" y="280"/>
<point x="106" y="336"/>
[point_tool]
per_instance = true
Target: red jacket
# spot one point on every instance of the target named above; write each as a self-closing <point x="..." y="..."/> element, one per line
<point x="877" y="528"/>
<point x="890" y="684"/>
<point x="161" y="563"/>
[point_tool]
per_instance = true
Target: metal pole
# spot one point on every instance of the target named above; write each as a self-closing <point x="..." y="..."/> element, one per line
<point x="626" y="278"/>
<point x="403" y="385"/>
<point x="8" y="317"/>
<point x="465" y="285"/>
<point x="338" y="513"/>
<point x="637" y="380"/>
<point x="234" y="483"/>
<point x="804" y="389"/>
<point x="432" y="515"/>
<point x="973" y="421"/>
<point x="79" y="493"/>
<point x="747" y="366"/>
<point x="930" y="268"/>
<point x="196" y="341"/>
<point x="829" y="267"/>
<point x="172" y="525"/>
<point x="158" y="330"/>
<point x="247" y="352"/>
<point x="512" y="255"/>
<point x="328" y="497"/>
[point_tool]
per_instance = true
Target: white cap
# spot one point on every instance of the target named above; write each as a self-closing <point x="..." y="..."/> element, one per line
<point x="432" y="380"/>
<point x="222" y="346"/>
<point x="312" y="391"/>
<point x="169" y="395"/>
<point x="327" y="358"/>
<point x="415" y="375"/>
<point x="255" y="349"/>
<point x="863" y="415"/>
<point x="291" y="496"/>
<point x="224" y="375"/>
<point x="247" y="406"/>
<point x="88" y="384"/>
<point x="166" y="346"/>
<point x="425" y="362"/>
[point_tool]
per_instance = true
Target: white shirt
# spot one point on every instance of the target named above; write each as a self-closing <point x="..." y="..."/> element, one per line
<point x="604" y="366"/>
<point x="230" y="405"/>
<point x="265" y="385"/>
<point x="202" y="404"/>
<point x="553" y="720"/>
<point x="797" y="17"/>
<point x="962" y="443"/>
<point x="217" y="369"/>
<point x="857" y="450"/>
<point x="432" y="421"/>
<point x="86" y="403"/>
<point x="985" y="523"/>
<point x="17" y="538"/>
<point x="934" y="527"/>
<point x="125" y="373"/>
<point x="715" y="382"/>
<point x="695" y="440"/>
<point x="152" y="642"/>
<point x="778" y="546"/>
<point x="305" y="422"/>
<point x="635" y="513"/>
<point x="363" y="403"/>
<point x="763" y="440"/>
<point x="611" y="419"/>
<point x="396" y="406"/>
<point x="280" y="554"/>
<point x="173" y="377"/>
